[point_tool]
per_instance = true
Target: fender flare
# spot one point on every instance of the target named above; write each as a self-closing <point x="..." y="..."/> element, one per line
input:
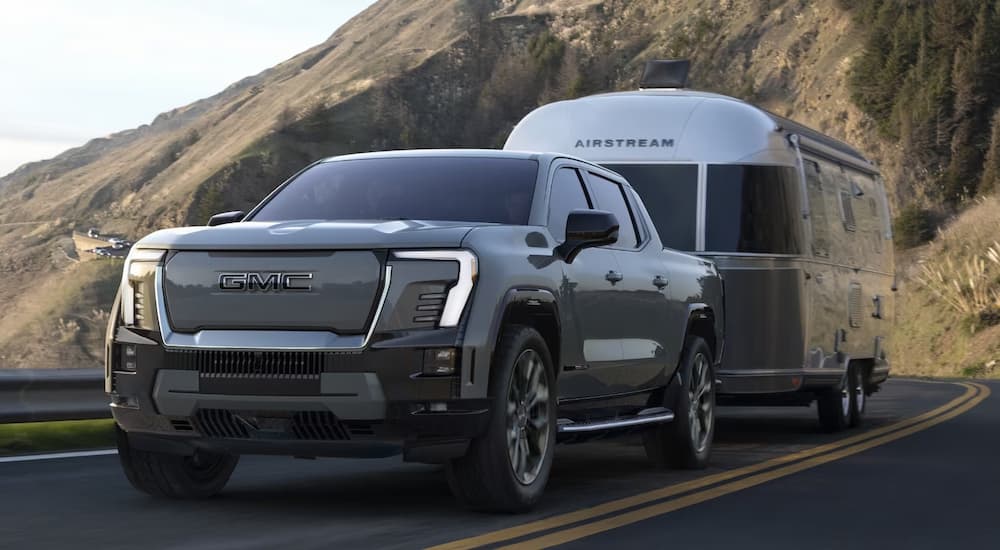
<point x="529" y="296"/>
<point x="699" y="311"/>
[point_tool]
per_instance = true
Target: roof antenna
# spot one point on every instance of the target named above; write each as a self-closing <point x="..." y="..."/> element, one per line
<point x="665" y="73"/>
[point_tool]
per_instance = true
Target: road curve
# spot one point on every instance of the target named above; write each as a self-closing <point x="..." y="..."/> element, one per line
<point x="922" y="473"/>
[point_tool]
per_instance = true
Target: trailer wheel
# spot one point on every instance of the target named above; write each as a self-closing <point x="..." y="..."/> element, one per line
<point x="834" y="405"/>
<point x="856" y="374"/>
<point x="687" y="441"/>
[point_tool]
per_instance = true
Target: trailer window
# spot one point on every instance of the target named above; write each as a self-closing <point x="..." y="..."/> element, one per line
<point x="752" y="209"/>
<point x="670" y="193"/>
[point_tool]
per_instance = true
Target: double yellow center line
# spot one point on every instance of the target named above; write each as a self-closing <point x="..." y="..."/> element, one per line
<point x="617" y="513"/>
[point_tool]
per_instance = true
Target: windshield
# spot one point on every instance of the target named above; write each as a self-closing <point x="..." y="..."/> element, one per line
<point x="467" y="189"/>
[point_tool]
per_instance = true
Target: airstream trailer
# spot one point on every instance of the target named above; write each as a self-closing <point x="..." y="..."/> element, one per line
<point x="797" y="222"/>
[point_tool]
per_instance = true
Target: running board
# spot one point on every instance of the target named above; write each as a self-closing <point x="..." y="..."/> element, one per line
<point x="654" y="415"/>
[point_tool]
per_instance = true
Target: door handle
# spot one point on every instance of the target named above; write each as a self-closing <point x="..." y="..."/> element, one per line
<point x="614" y="277"/>
<point x="660" y="282"/>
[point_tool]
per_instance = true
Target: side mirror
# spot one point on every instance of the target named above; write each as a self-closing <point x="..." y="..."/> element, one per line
<point x="587" y="229"/>
<point x="226" y="217"/>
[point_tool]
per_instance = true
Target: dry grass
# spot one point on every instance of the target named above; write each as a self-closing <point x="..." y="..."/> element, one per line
<point x="59" y="320"/>
<point x="948" y="319"/>
<point x="970" y="286"/>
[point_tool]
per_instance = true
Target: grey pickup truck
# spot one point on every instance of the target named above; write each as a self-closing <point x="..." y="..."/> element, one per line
<point x="464" y="307"/>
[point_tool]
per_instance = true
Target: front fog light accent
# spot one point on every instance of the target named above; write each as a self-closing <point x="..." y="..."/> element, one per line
<point x="458" y="295"/>
<point x="124" y="402"/>
<point x="130" y="362"/>
<point x="440" y="362"/>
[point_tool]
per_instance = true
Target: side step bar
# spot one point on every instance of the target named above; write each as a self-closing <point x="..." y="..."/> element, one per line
<point x="654" y="415"/>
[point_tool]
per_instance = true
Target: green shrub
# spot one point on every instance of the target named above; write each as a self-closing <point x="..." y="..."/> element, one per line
<point x="914" y="226"/>
<point x="973" y="371"/>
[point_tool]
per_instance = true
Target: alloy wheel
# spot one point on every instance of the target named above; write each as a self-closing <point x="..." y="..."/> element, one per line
<point x="845" y="397"/>
<point x="701" y="398"/>
<point x="858" y="387"/>
<point x="527" y="416"/>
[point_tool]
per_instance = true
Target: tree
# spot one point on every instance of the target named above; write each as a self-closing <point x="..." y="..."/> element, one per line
<point x="929" y="77"/>
<point x="991" y="169"/>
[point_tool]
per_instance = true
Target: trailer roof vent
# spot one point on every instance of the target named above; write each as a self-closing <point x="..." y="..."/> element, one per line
<point x="665" y="73"/>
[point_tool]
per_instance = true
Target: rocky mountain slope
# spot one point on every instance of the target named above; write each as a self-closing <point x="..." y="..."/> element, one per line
<point x="413" y="73"/>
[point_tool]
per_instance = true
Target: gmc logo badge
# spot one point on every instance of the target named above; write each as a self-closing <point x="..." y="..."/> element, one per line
<point x="265" y="282"/>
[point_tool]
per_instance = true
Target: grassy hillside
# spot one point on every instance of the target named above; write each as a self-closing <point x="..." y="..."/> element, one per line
<point x="949" y="299"/>
<point x="415" y="73"/>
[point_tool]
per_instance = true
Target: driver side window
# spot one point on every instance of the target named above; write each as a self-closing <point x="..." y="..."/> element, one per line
<point x="568" y="194"/>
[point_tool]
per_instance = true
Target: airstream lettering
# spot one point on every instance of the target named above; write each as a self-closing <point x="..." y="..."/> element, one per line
<point x="622" y="142"/>
<point x="797" y="222"/>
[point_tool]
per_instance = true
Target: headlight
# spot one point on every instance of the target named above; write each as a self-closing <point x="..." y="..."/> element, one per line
<point x="458" y="295"/>
<point x="139" y="288"/>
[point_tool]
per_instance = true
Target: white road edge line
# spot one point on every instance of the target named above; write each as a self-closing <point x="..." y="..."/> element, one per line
<point x="54" y="456"/>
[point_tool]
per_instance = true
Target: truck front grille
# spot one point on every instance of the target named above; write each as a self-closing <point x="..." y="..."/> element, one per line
<point x="226" y="364"/>
<point x="299" y="425"/>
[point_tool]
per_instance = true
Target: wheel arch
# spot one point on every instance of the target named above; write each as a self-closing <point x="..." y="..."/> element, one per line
<point x="534" y="307"/>
<point x="702" y="322"/>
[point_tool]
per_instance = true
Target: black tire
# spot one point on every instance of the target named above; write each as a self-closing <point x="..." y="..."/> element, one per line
<point x="834" y="405"/>
<point x="174" y="476"/>
<point x="859" y="399"/>
<point x="687" y="441"/>
<point x="486" y="478"/>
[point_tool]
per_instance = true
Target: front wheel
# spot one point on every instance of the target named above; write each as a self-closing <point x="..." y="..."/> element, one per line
<point x="506" y="469"/>
<point x="687" y="441"/>
<point x="200" y="475"/>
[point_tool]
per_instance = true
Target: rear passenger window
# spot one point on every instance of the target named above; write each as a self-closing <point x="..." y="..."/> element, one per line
<point x="608" y="195"/>
<point x="567" y="195"/>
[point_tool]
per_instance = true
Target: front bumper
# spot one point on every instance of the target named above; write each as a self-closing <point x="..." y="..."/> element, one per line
<point x="303" y="403"/>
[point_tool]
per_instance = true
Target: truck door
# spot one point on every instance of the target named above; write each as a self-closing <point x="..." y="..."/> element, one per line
<point x="639" y="316"/>
<point x="591" y="349"/>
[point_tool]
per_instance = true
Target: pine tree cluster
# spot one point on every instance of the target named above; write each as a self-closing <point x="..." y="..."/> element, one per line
<point x="930" y="79"/>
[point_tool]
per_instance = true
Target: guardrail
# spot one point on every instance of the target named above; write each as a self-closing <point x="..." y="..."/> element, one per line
<point x="33" y="395"/>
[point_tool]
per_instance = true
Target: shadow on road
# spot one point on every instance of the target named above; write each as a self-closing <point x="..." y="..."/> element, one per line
<point x="583" y="473"/>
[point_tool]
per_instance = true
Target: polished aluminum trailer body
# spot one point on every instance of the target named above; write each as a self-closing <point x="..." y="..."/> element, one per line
<point x="797" y="222"/>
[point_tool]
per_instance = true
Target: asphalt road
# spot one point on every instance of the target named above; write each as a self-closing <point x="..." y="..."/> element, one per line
<point x="922" y="473"/>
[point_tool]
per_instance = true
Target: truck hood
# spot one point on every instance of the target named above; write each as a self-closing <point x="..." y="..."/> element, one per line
<point x="311" y="235"/>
